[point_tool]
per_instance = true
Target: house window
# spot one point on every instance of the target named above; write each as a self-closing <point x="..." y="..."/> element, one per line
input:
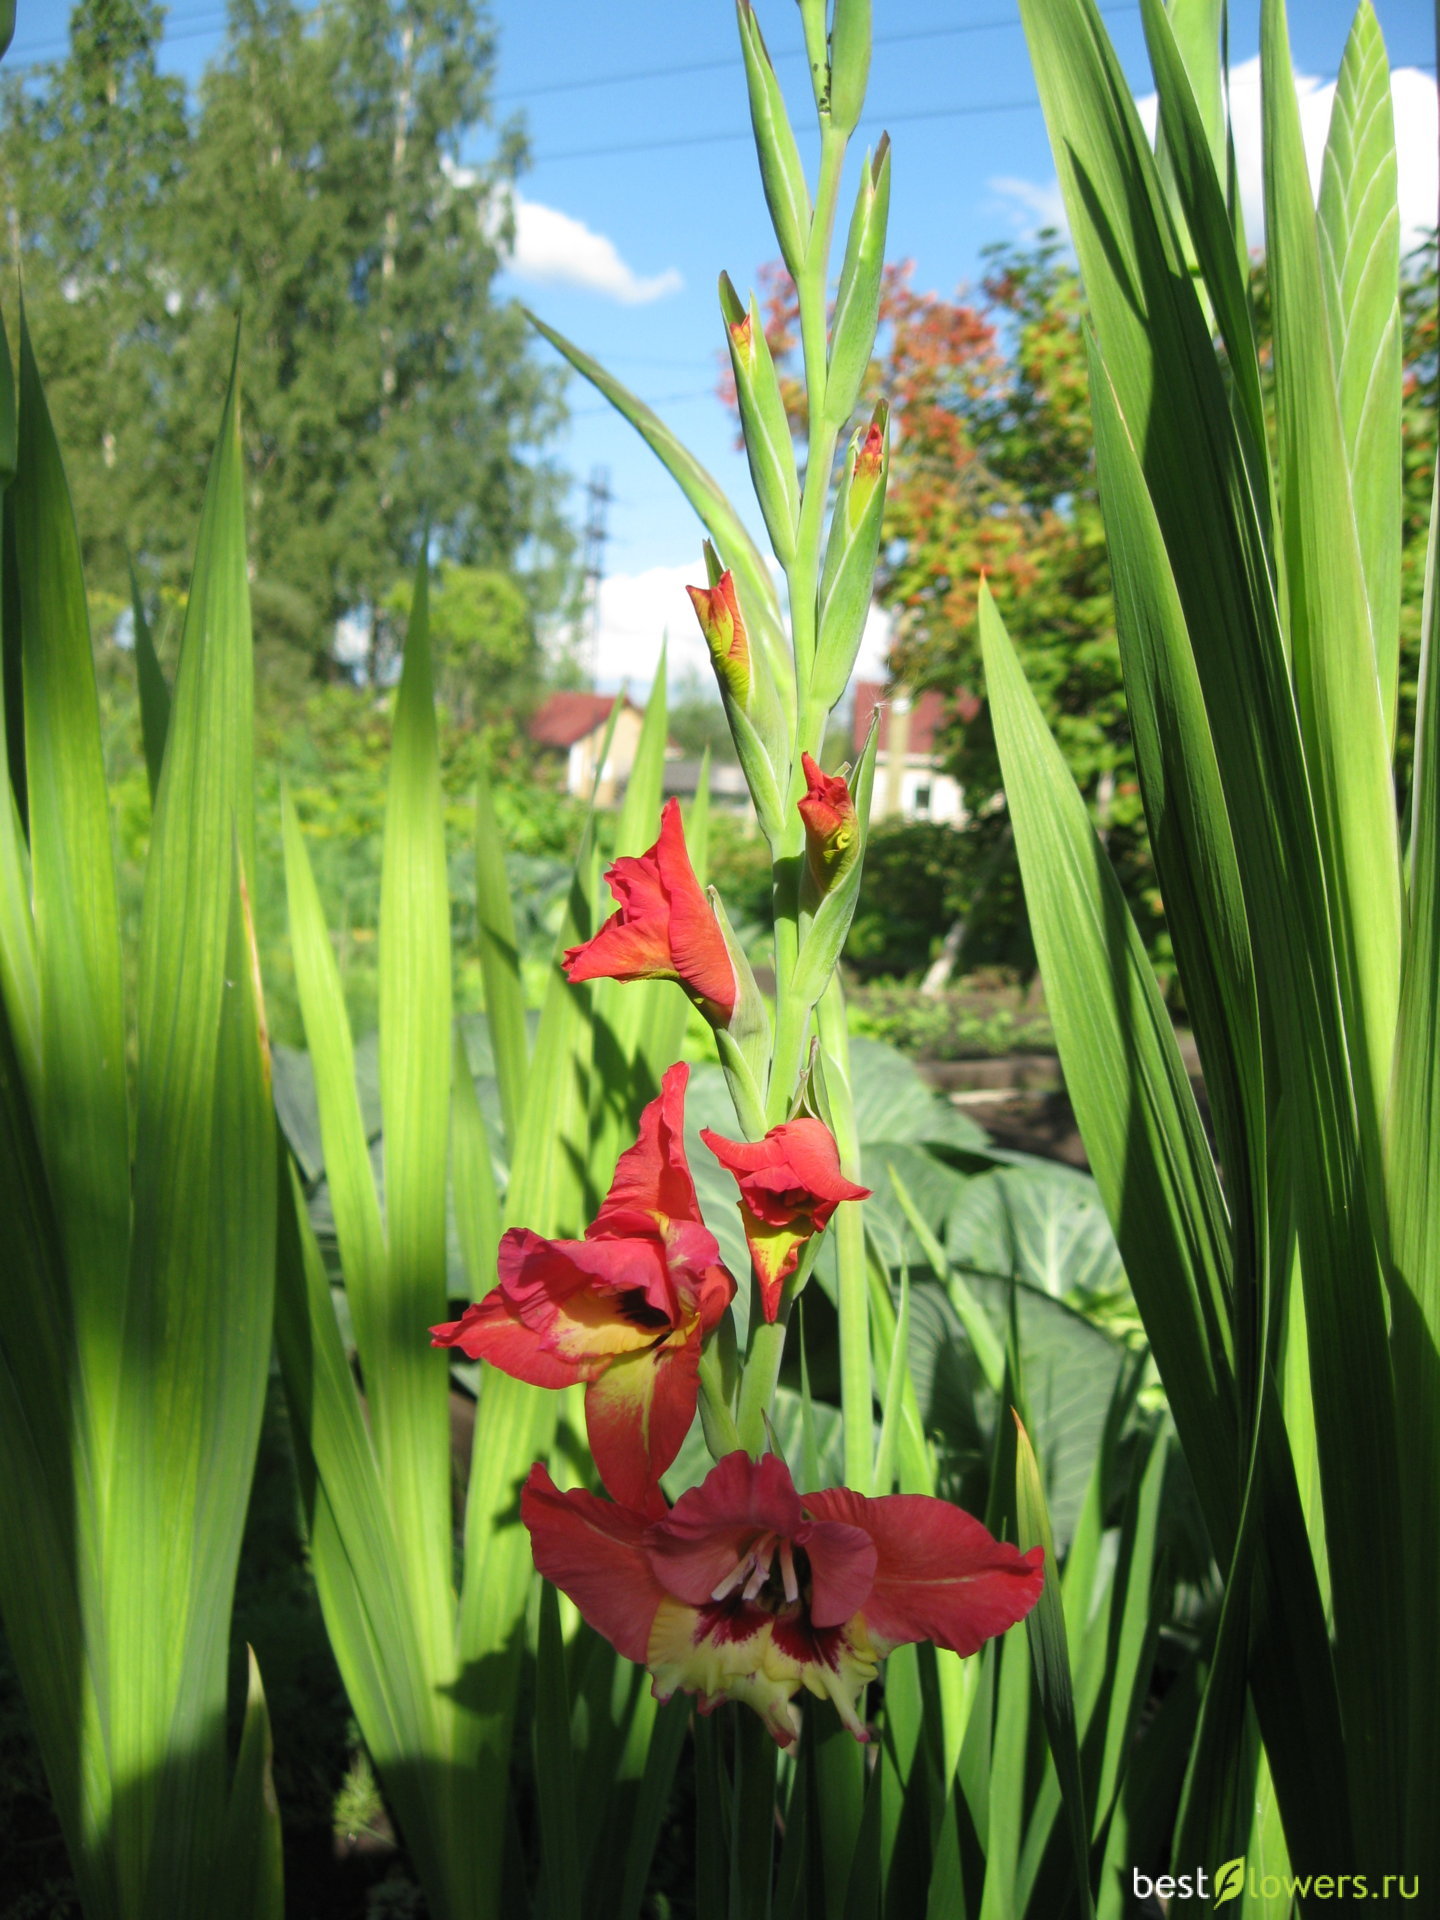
<point x="922" y="802"/>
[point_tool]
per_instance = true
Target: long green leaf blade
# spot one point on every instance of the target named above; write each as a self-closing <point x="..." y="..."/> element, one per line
<point x="83" y="1115"/>
<point x="198" y="1326"/>
<point x="1359" y="228"/>
<point x="415" y="1054"/>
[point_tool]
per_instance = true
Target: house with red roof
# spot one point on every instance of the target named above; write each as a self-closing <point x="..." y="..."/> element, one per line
<point x="572" y="728"/>
<point x="908" y="777"/>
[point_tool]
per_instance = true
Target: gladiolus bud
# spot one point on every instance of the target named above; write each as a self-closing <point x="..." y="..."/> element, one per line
<point x="781" y="173"/>
<point x="768" y="446"/>
<point x="832" y="830"/>
<point x="849" y="62"/>
<point x="850" y="553"/>
<point x="857" y="310"/>
<point x="758" y="722"/>
<point x="718" y="612"/>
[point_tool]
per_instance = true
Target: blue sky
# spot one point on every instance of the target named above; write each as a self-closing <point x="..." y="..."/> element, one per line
<point x="642" y="187"/>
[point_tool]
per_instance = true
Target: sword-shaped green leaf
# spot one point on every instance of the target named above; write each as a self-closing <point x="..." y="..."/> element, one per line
<point x="415" y="1054"/>
<point x="83" y="1112"/>
<point x="1359" y="229"/>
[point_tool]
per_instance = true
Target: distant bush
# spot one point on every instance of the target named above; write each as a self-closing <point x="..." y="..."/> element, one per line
<point x="973" y="1021"/>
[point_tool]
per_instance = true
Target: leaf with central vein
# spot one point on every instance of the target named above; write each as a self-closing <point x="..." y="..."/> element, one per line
<point x="83" y="1113"/>
<point x="1359" y="229"/>
<point x="415" y="1054"/>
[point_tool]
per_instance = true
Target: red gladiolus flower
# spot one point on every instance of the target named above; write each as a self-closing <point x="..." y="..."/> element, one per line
<point x="831" y="827"/>
<point x="626" y="1309"/>
<point x="790" y="1184"/>
<point x="747" y="1590"/>
<point x="665" y="929"/>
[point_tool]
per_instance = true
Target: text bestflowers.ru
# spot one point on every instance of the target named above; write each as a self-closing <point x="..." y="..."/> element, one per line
<point x="1231" y="1880"/>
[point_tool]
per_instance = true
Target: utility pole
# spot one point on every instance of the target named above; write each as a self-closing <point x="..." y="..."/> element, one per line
<point x="597" y="499"/>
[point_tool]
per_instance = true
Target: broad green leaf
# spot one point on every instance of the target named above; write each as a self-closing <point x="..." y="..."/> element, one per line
<point x="48" y="1545"/>
<point x="251" y="1881"/>
<point x="1152" y="1163"/>
<point x="83" y="1112"/>
<point x="202" y="1257"/>
<point x="1414" y="1196"/>
<point x="1185" y="812"/>
<point x="554" y="1769"/>
<point x="1049" y="1652"/>
<point x="472" y="1177"/>
<point x="154" y="694"/>
<point x="1359" y="230"/>
<point x="415" y="1053"/>
<point x="1172" y="396"/>
<point x="359" y="1574"/>
<point x="989" y="1351"/>
<point x="500" y="962"/>
<point x="345" y="1155"/>
<point x="1342" y="705"/>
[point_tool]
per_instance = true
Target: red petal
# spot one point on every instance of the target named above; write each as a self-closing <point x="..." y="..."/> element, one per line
<point x="842" y="1571"/>
<point x="652" y="1177"/>
<point x="701" y="959"/>
<point x="490" y="1331"/>
<point x="939" y="1574"/>
<point x="708" y="1529"/>
<point x="637" y="1414"/>
<point x="580" y="1297"/>
<point x="590" y="1549"/>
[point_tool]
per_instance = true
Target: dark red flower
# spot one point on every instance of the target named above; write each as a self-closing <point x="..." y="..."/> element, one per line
<point x="665" y="928"/>
<point x="832" y="830"/>
<point x="790" y="1183"/>
<point x="748" y="1590"/>
<point x="626" y="1309"/>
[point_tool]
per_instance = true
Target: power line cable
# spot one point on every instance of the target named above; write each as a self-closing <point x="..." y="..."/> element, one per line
<point x="727" y="63"/>
<point x="969" y="111"/>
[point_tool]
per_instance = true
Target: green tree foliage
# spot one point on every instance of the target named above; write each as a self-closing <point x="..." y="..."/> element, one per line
<point x="315" y="191"/>
<point x="993" y="473"/>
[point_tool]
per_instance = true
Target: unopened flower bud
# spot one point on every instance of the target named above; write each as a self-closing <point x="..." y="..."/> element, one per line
<point x="718" y="611"/>
<point x="849" y="62"/>
<point x="850" y="555"/>
<point x="763" y="422"/>
<point x="832" y="829"/>
<point x="783" y="176"/>
<point x="857" y="310"/>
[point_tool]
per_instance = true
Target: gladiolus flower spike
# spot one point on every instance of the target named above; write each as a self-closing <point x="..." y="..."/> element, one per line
<point x="747" y="1590"/>
<point x="664" y="929"/>
<point x="790" y="1184"/>
<point x="626" y="1310"/>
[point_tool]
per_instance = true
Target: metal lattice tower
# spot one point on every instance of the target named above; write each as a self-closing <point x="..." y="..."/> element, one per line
<point x="597" y="499"/>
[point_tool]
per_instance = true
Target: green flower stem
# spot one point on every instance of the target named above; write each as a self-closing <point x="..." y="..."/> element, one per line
<point x="766" y="1350"/>
<point x="762" y="1370"/>
<point x="803" y="573"/>
<point x="721" y="1434"/>
<point x="856" y="1397"/>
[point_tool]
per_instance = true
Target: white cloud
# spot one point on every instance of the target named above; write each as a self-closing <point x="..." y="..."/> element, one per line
<point x="1032" y="207"/>
<point x="637" y="610"/>
<point x="554" y="249"/>
<point x="1413" y="101"/>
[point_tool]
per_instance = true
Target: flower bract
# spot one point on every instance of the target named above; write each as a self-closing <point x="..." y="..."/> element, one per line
<point x="664" y="929"/>
<point x="747" y="1590"/>
<point x="625" y="1310"/>
<point x="790" y="1183"/>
